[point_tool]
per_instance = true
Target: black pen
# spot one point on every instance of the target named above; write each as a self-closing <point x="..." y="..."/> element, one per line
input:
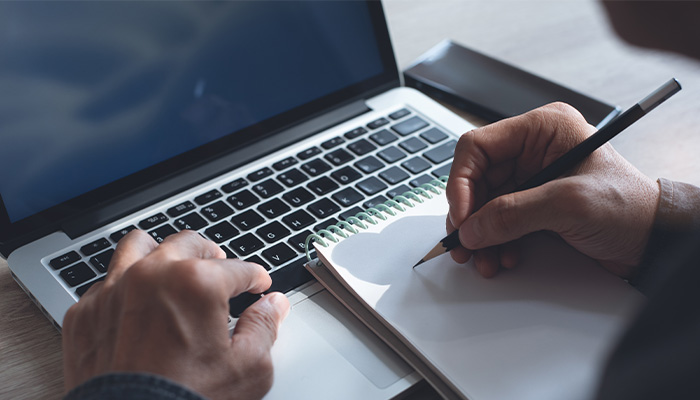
<point x="577" y="154"/>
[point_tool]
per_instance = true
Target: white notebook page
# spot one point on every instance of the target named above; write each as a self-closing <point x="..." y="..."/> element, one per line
<point x="540" y="331"/>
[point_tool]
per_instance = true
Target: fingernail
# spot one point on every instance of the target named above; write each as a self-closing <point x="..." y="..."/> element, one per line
<point x="279" y="302"/>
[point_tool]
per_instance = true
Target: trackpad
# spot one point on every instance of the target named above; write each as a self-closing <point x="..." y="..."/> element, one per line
<point x="352" y="339"/>
<point x="321" y="341"/>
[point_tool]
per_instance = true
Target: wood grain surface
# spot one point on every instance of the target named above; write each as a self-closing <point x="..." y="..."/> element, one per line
<point x="569" y="42"/>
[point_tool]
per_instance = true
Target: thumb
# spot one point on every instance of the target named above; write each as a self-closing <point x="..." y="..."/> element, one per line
<point x="509" y="217"/>
<point x="256" y="329"/>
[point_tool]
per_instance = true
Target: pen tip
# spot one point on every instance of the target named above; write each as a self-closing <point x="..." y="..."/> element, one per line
<point x="419" y="263"/>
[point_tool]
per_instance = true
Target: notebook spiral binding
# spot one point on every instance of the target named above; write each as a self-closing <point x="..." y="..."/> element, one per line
<point x="389" y="207"/>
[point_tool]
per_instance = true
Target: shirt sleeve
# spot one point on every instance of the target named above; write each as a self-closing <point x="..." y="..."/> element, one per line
<point x="132" y="386"/>
<point x="677" y="218"/>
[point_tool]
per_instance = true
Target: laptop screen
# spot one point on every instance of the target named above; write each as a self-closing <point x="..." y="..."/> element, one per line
<point x="94" y="92"/>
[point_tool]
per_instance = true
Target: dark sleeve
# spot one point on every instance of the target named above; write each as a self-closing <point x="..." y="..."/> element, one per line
<point x="677" y="217"/>
<point x="658" y="357"/>
<point x="136" y="386"/>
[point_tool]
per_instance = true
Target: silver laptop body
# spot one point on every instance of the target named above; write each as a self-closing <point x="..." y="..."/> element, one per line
<point x="274" y="147"/>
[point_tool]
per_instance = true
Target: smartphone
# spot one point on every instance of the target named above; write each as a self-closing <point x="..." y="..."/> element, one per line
<point x="492" y="89"/>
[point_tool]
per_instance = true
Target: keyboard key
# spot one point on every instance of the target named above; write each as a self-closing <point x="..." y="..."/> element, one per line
<point x="361" y="147"/>
<point x="246" y="244"/>
<point x="153" y="221"/>
<point x="443" y="152"/>
<point x="292" y="177"/>
<point x="284" y="164"/>
<point x="350" y="213"/>
<point x="207" y="197"/>
<point x="298" y="197"/>
<point x="339" y="157"/>
<point x="409" y="126"/>
<point x="399" y="114"/>
<point x="383" y="137"/>
<point x="64" y="260"/>
<point x="81" y="290"/>
<point x="393" y="175"/>
<point x="442" y="171"/>
<point x="391" y="154"/>
<point x="416" y="165"/>
<point x="260" y="174"/>
<point x="256" y="259"/>
<point x="315" y="167"/>
<point x="273" y="208"/>
<point x="323" y="208"/>
<point x="267" y="188"/>
<point x="117" y="236"/>
<point x="159" y="234"/>
<point x="357" y="132"/>
<point x="308" y="153"/>
<point x="234" y="185"/>
<point x="420" y="180"/>
<point x="242" y="199"/>
<point x="180" y="209"/>
<point x="325" y="224"/>
<point x="238" y="304"/>
<point x="273" y="232"/>
<point x="229" y="253"/>
<point x="247" y="220"/>
<point x="369" y="164"/>
<point x="373" y="202"/>
<point x="329" y="144"/>
<point x="413" y="145"/>
<point x="399" y="190"/>
<point x="322" y="186"/>
<point x="77" y="274"/>
<point x="92" y="248"/>
<point x="289" y="277"/>
<point x="298" y="241"/>
<point x="347" y="197"/>
<point x="101" y="261"/>
<point x="377" y="123"/>
<point x="433" y="135"/>
<point x="193" y="222"/>
<point x="346" y="175"/>
<point x="221" y="232"/>
<point x="216" y="211"/>
<point x="298" y="220"/>
<point x="371" y="185"/>
<point x="278" y="254"/>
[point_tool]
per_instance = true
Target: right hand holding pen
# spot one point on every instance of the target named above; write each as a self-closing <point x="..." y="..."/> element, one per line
<point x="604" y="208"/>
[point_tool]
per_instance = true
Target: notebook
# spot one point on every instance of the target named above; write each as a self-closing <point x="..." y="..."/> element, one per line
<point x="540" y="331"/>
<point x="252" y="123"/>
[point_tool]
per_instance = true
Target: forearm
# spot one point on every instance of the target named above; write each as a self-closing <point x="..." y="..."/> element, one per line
<point x="677" y="218"/>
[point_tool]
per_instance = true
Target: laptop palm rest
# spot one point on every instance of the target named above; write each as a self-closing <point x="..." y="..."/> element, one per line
<point x="359" y="366"/>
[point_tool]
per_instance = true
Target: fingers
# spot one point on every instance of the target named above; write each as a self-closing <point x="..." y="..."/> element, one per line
<point x="237" y="276"/>
<point x="130" y="249"/>
<point x="492" y="159"/>
<point x="512" y="216"/>
<point x="189" y="244"/>
<point x="256" y="329"/>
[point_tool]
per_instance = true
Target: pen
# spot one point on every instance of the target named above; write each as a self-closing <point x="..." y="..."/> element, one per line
<point x="576" y="154"/>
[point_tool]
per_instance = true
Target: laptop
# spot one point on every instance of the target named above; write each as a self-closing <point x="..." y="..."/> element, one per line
<point x="253" y="123"/>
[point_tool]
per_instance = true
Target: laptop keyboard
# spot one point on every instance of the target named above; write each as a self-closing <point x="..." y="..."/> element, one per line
<point x="266" y="216"/>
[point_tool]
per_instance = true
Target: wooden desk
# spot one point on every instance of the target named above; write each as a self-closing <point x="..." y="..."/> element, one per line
<point x="568" y="42"/>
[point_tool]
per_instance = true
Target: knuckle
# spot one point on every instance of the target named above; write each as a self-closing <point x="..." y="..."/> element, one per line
<point x="506" y="214"/>
<point x="135" y="235"/>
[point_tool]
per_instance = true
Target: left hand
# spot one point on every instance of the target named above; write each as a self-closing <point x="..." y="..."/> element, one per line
<point x="163" y="309"/>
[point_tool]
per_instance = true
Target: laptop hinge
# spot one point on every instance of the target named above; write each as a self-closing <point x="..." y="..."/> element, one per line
<point x="172" y="185"/>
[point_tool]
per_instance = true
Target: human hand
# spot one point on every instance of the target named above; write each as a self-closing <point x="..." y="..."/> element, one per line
<point x="604" y="208"/>
<point x="162" y="309"/>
